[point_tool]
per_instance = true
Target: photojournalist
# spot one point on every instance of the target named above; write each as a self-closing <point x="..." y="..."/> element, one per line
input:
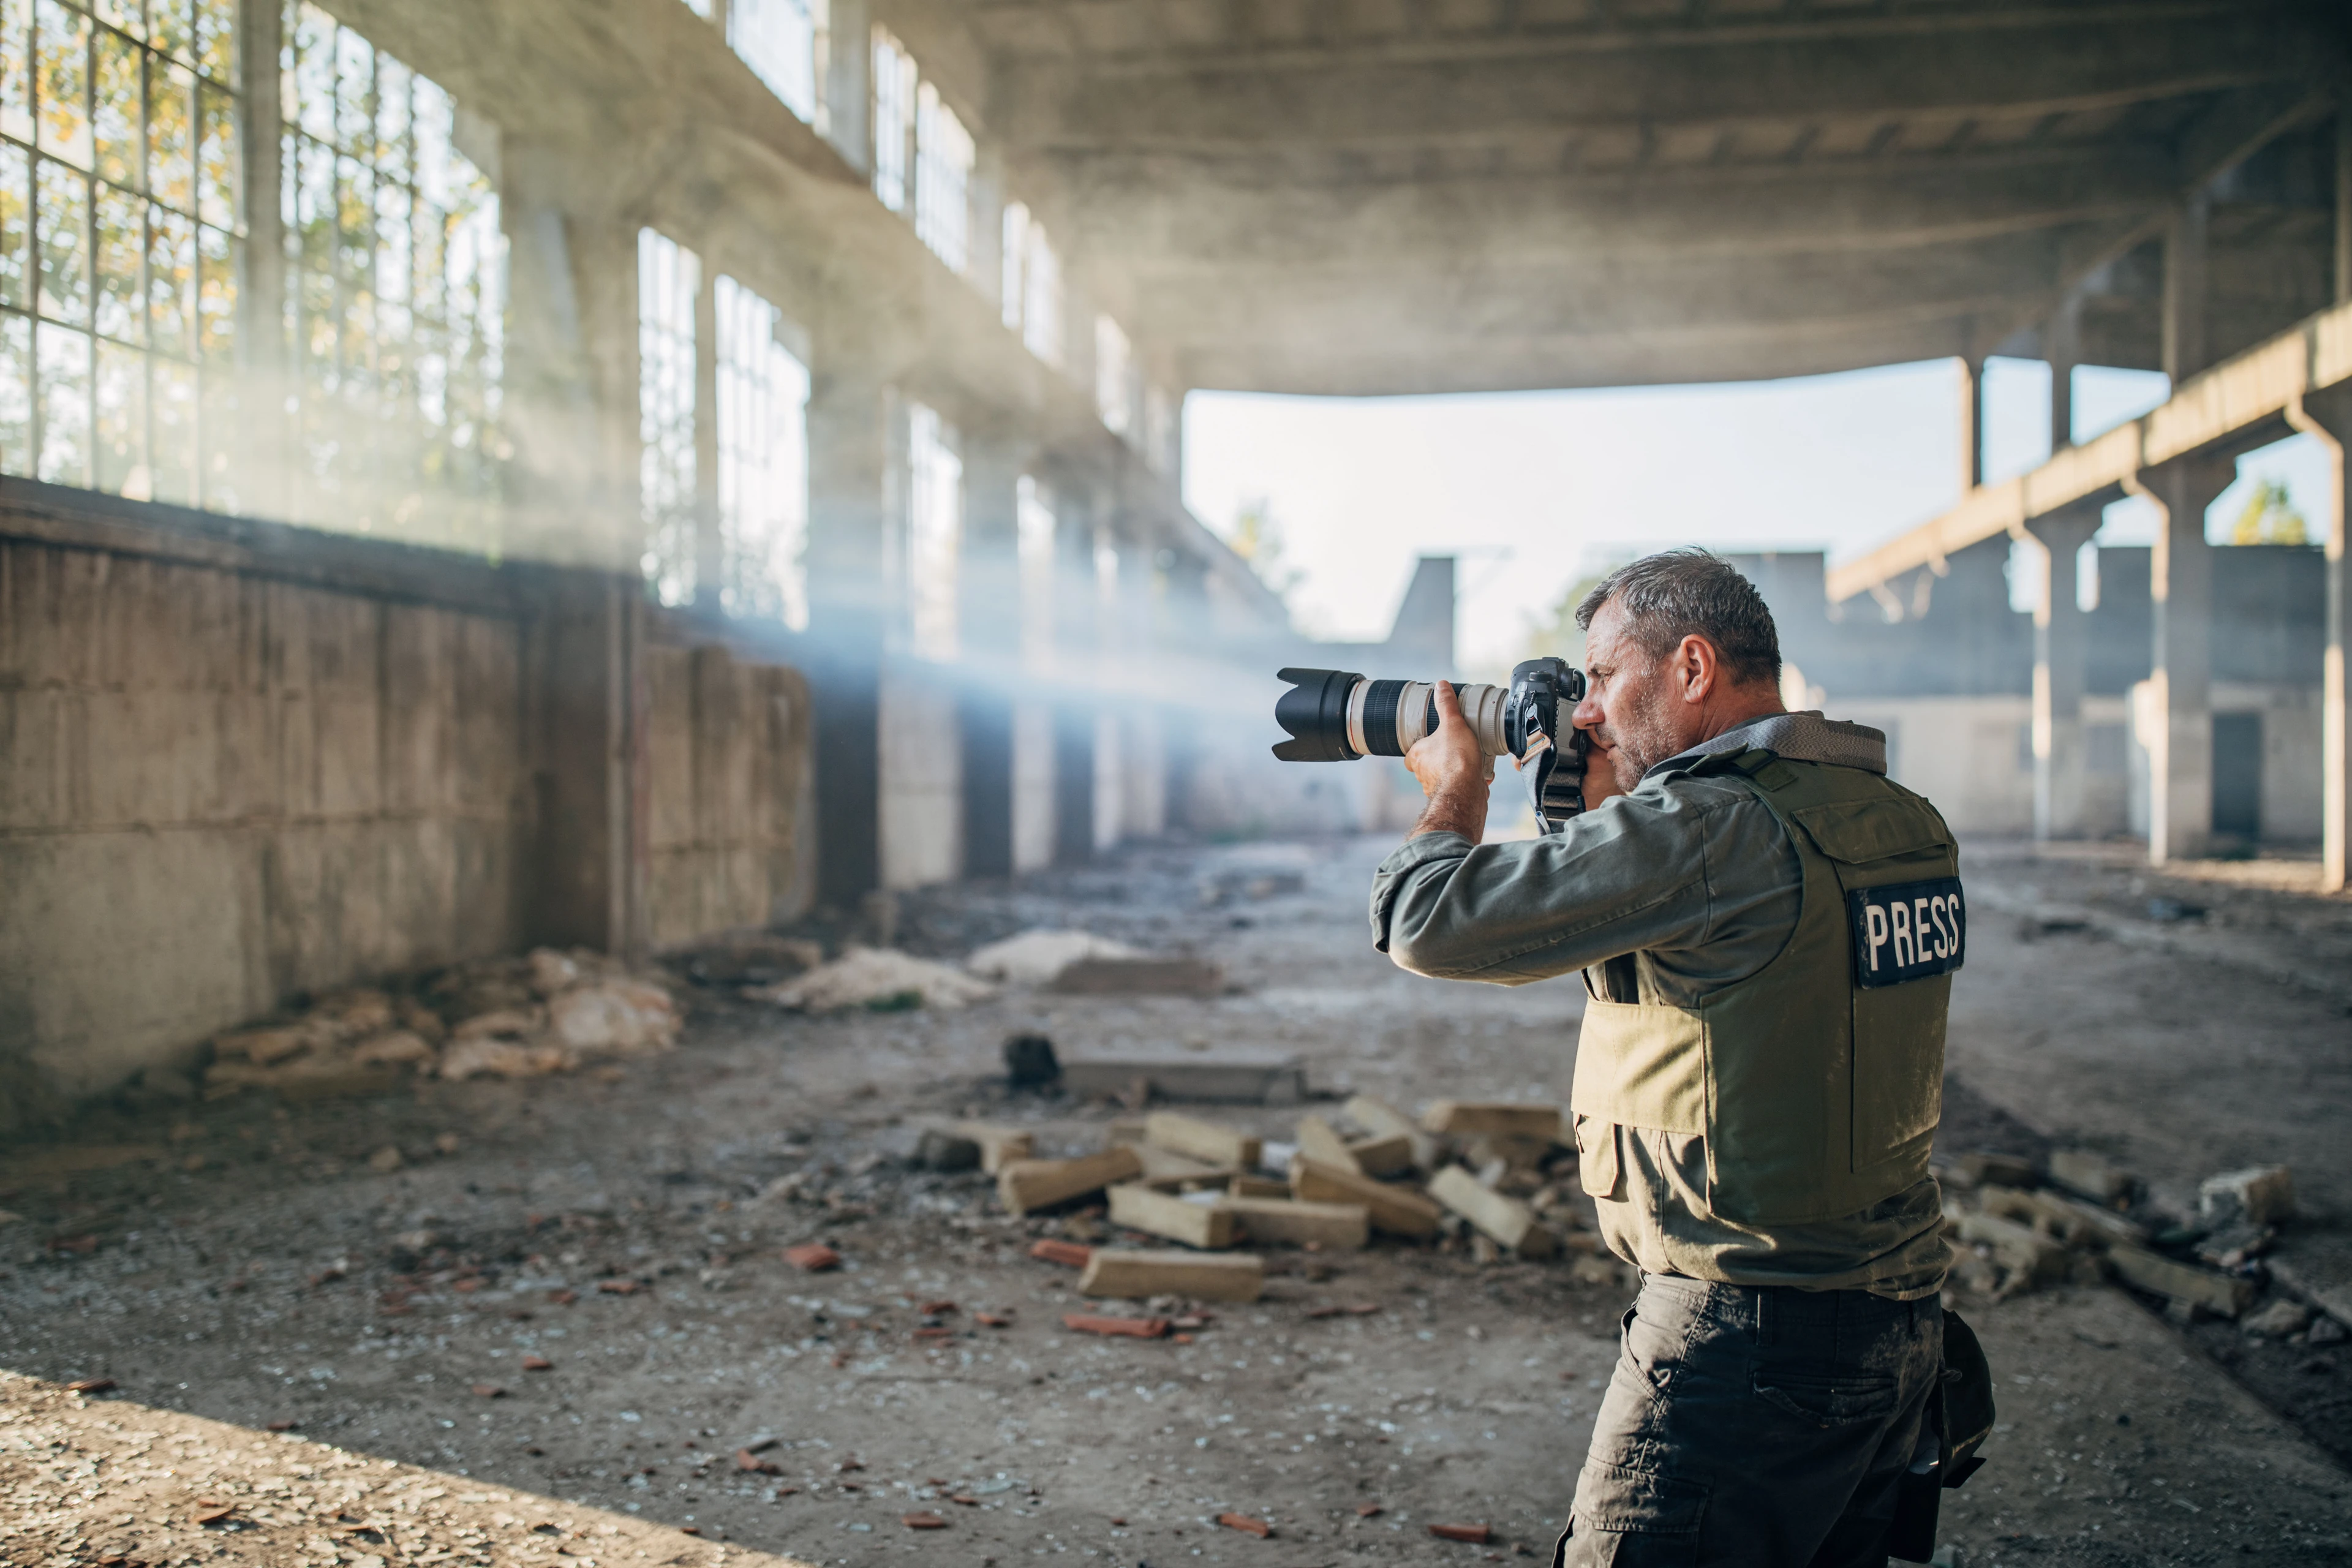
<point x="1766" y="927"/>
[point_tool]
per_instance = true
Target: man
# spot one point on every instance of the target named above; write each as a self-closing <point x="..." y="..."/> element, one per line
<point x="1757" y="1073"/>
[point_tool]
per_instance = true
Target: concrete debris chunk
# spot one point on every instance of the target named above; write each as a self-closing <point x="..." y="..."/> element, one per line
<point x="616" y="1017"/>
<point x="1233" y="1076"/>
<point x="875" y="977"/>
<point x="2031" y="1257"/>
<point x="1131" y="1275"/>
<point x="395" y="1047"/>
<point x="1389" y="1156"/>
<point x="1137" y="1207"/>
<point x="1039" y="957"/>
<point x="1320" y="1142"/>
<point x="1383" y="1120"/>
<point x="1463" y="1118"/>
<point x="552" y="972"/>
<point x="1331" y="1227"/>
<point x="1204" y="1141"/>
<point x="2087" y="1175"/>
<point x="2260" y="1195"/>
<point x="1984" y="1167"/>
<point x="2283" y="1319"/>
<point x="1506" y="1220"/>
<point x="1141" y="976"/>
<point x="2221" y="1294"/>
<point x="1398" y="1211"/>
<point x="481" y="1056"/>
<point x="1248" y="1186"/>
<point x="2069" y="1220"/>
<point x="1025" y="1184"/>
<point x="1167" y="1169"/>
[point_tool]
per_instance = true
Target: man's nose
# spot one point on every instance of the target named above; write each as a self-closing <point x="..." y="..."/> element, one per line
<point x="1588" y="714"/>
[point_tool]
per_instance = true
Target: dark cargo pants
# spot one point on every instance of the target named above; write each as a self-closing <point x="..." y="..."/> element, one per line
<point x="1754" y="1427"/>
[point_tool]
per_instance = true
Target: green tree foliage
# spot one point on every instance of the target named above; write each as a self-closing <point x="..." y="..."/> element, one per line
<point x="1257" y="537"/>
<point x="2269" y="517"/>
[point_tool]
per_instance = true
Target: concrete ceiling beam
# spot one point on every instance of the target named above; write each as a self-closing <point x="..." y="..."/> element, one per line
<point x="2042" y="62"/>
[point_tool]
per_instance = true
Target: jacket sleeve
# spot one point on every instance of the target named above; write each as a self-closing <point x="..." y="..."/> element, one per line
<point x="1631" y="875"/>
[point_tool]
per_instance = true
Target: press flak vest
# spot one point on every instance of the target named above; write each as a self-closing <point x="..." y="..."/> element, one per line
<point x="1818" y="1097"/>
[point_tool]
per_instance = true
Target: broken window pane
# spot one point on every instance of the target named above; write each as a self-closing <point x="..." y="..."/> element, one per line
<point x="894" y="120"/>
<point x="943" y="155"/>
<point x="763" y="461"/>
<point x="783" y="43"/>
<point x="669" y="280"/>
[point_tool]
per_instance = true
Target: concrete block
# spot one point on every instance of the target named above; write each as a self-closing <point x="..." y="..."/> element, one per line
<point x="1025" y="1184"/>
<point x="1137" y="1207"/>
<point x="1506" y="1220"/>
<point x="1166" y="1168"/>
<point x="1239" y="1077"/>
<point x="1383" y="1120"/>
<point x="1200" y="1140"/>
<point x="2263" y="1195"/>
<point x="2069" y="1220"/>
<point x="2219" y="1293"/>
<point x="2018" y="1248"/>
<point x="1388" y="1156"/>
<point x="1204" y="1277"/>
<point x="1398" y="1211"/>
<point x="1320" y="1142"/>
<point x="2086" y="1173"/>
<point x="999" y="1146"/>
<point x="1334" y="1228"/>
<point x="1465" y="1118"/>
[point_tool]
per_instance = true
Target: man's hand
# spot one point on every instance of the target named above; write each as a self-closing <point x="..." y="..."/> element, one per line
<point x="1454" y="772"/>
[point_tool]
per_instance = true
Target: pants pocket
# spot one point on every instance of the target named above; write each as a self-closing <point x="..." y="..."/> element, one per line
<point x="1635" y="1517"/>
<point x="1828" y="1401"/>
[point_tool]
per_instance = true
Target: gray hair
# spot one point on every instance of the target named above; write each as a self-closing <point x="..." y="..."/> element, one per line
<point x="1691" y="592"/>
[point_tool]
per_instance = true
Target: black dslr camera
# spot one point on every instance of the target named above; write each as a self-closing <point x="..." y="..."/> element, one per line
<point x="1334" y="716"/>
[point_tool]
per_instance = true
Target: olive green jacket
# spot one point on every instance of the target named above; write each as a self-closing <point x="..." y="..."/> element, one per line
<point x="1698" y="876"/>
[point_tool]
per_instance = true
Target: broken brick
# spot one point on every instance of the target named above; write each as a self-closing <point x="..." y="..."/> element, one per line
<point x="618" y="1287"/>
<point x="90" y="1386"/>
<point x="1245" y="1524"/>
<point x="537" y="1363"/>
<point x="488" y="1391"/>
<point x="962" y="1501"/>
<point x="1474" y="1534"/>
<point x="937" y="1309"/>
<point x="1068" y="1252"/>
<point x="925" y="1522"/>
<point x="1369" y="1510"/>
<point x="213" y="1513"/>
<point x="1133" y="1328"/>
<point x="563" y="1297"/>
<point x="993" y="1320"/>
<point x="285" y="1426"/>
<point x="812" y="1257"/>
<point x="752" y="1463"/>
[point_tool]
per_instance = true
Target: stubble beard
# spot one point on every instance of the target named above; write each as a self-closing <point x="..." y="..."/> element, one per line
<point x="1640" y="742"/>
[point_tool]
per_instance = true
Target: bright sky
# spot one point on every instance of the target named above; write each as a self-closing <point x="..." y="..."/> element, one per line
<point x="1528" y="487"/>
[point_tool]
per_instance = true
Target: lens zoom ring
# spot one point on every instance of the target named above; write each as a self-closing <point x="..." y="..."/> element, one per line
<point x="1380" y="717"/>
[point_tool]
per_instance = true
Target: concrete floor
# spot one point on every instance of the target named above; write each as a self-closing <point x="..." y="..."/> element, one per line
<point x="250" y="1290"/>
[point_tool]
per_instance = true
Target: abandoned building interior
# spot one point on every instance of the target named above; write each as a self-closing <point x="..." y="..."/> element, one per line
<point x="691" y="491"/>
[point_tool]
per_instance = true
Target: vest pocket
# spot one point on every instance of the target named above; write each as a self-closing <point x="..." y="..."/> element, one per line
<point x="1598" y="1169"/>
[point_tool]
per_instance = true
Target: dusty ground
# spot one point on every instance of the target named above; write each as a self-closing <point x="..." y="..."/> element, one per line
<point x="243" y="1266"/>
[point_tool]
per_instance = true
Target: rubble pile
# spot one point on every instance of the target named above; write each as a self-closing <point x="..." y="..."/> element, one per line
<point x="1493" y="1177"/>
<point x="509" y="1018"/>
<point x="2017" y="1232"/>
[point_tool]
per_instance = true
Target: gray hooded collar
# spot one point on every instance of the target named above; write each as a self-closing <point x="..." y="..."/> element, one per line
<point x="1805" y="737"/>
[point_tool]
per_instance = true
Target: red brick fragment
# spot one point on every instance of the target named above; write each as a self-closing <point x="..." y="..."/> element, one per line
<point x="1474" y="1534"/>
<point x="285" y="1426"/>
<point x="812" y="1257"/>
<point x="925" y="1522"/>
<point x="618" y="1287"/>
<point x="563" y="1297"/>
<point x="937" y="1308"/>
<point x="962" y="1501"/>
<point x="749" y="1461"/>
<point x="1069" y="1254"/>
<point x="537" y="1363"/>
<point x="90" y="1386"/>
<point x="935" y="1333"/>
<point x="488" y="1391"/>
<point x="1188" y="1321"/>
<point x="1133" y="1328"/>
<point x="690" y="1530"/>
<point x="1369" y="1510"/>
<point x="993" y="1319"/>
<point x="213" y="1513"/>
<point x="1245" y="1524"/>
<point x="852" y="1463"/>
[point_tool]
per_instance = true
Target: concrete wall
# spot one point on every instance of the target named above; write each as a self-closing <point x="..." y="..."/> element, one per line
<point x="240" y="763"/>
<point x="730" y="771"/>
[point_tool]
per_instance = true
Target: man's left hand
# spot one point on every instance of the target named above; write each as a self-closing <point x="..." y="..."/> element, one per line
<point x="1454" y="772"/>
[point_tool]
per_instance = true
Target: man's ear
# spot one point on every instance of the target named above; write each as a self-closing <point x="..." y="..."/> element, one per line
<point x="1698" y="668"/>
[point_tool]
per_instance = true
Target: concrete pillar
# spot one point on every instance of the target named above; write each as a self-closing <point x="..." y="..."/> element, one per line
<point x="588" y="678"/>
<point x="2060" y="664"/>
<point x="1971" y="422"/>
<point x="1074" y="629"/>
<point x="2063" y="343"/>
<point x="852" y="491"/>
<point x="2328" y="417"/>
<point x="2188" y="338"/>
<point x="2180" y="584"/>
<point x="991" y="617"/>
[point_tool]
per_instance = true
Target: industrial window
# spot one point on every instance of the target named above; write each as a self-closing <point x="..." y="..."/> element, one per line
<point x="783" y="42"/>
<point x="1114" y="399"/>
<point x="1041" y="310"/>
<point x="397" y="295"/>
<point x="943" y="154"/>
<point x="1033" y="520"/>
<point x="669" y="278"/>
<point x="763" y="461"/>
<point x="894" y="121"/>
<point x="934" y="527"/>
<point x="120" y="228"/>
<point x="1015" y="250"/>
